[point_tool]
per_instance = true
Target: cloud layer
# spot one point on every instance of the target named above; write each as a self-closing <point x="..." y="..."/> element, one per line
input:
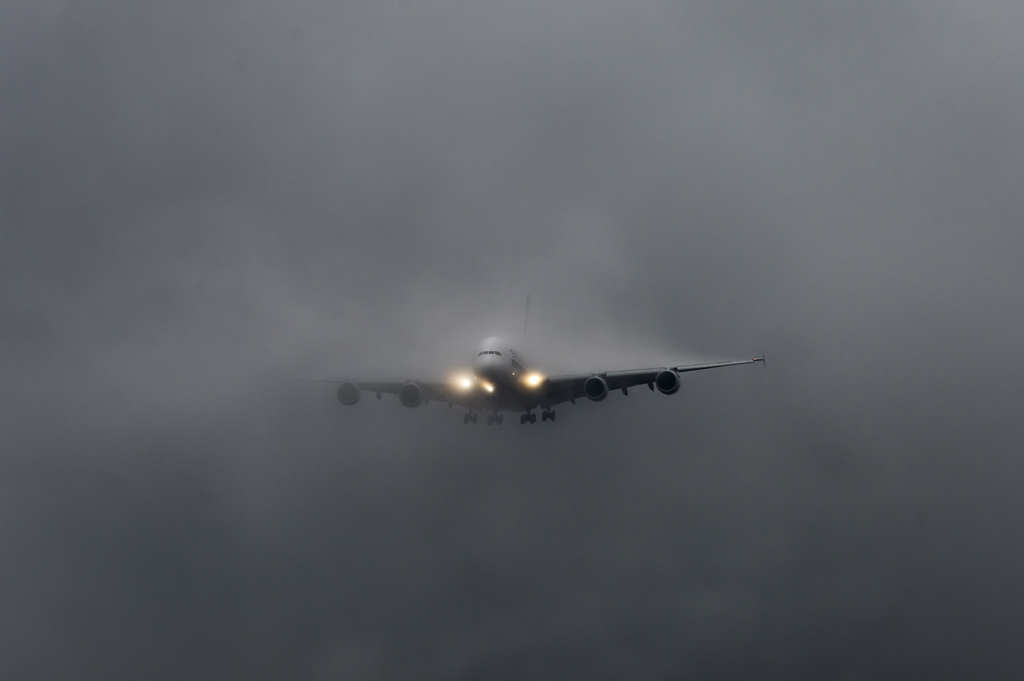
<point x="196" y="198"/>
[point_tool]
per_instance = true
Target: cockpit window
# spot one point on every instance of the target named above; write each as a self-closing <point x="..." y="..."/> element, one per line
<point x="488" y="352"/>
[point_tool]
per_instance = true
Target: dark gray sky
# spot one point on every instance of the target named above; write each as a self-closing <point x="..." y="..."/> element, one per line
<point x="196" y="196"/>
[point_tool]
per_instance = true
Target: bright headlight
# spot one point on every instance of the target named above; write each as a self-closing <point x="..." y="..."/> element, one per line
<point x="487" y="386"/>
<point x="463" y="382"/>
<point x="533" y="379"/>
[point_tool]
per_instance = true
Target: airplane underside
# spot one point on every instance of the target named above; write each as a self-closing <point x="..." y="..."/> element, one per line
<point x="493" y="406"/>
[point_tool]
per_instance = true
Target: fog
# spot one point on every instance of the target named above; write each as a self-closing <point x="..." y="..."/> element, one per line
<point x="198" y="198"/>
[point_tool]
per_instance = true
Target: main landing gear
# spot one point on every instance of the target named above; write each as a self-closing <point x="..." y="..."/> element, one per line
<point x="472" y="416"/>
<point x="546" y="415"/>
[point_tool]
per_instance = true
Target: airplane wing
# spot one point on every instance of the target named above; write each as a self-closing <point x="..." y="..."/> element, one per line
<point x="431" y="390"/>
<point x="569" y="388"/>
<point x="441" y="391"/>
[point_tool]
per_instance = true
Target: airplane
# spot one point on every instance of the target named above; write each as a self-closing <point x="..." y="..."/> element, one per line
<point x="501" y="381"/>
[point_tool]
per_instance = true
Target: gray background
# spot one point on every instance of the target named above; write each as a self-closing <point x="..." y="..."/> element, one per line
<point x="197" y="196"/>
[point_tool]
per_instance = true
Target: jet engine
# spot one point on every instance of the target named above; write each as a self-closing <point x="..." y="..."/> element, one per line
<point x="595" y="388"/>
<point x="410" y="395"/>
<point x="668" y="382"/>
<point x="348" y="393"/>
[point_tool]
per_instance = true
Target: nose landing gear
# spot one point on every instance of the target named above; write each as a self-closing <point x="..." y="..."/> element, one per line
<point x="548" y="415"/>
<point x="528" y="418"/>
<point x="495" y="418"/>
<point x="470" y="417"/>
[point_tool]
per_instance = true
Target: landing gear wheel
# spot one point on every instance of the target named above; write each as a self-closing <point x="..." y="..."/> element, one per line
<point x="544" y="415"/>
<point x="533" y="418"/>
<point x="551" y="415"/>
<point x="473" y="418"/>
<point x="465" y="417"/>
<point x="499" y="419"/>
<point x="524" y="418"/>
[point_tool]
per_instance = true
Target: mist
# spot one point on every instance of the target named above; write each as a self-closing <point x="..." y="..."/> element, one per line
<point x="197" y="198"/>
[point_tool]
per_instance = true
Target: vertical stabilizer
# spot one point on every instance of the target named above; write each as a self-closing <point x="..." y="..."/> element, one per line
<point x="526" y="318"/>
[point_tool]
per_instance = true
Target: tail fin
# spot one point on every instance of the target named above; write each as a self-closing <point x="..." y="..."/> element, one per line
<point x="526" y="317"/>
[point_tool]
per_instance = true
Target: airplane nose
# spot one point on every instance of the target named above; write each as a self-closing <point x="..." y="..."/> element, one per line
<point x="487" y="366"/>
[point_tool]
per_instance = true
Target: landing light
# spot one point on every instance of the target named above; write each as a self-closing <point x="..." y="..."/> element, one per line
<point x="533" y="379"/>
<point x="487" y="386"/>
<point x="463" y="382"/>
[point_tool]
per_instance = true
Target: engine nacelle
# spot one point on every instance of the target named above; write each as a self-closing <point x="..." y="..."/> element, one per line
<point x="410" y="395"/>
<point x="348" y="393"/>
<point x="668" y="382"/>
<point x="595" y="388"/>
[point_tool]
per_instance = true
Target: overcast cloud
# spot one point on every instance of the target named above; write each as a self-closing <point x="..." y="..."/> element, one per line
<point x="196" y="197"/>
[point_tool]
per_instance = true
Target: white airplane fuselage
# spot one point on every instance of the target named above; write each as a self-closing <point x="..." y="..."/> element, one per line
<point x="501" y="370"/>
